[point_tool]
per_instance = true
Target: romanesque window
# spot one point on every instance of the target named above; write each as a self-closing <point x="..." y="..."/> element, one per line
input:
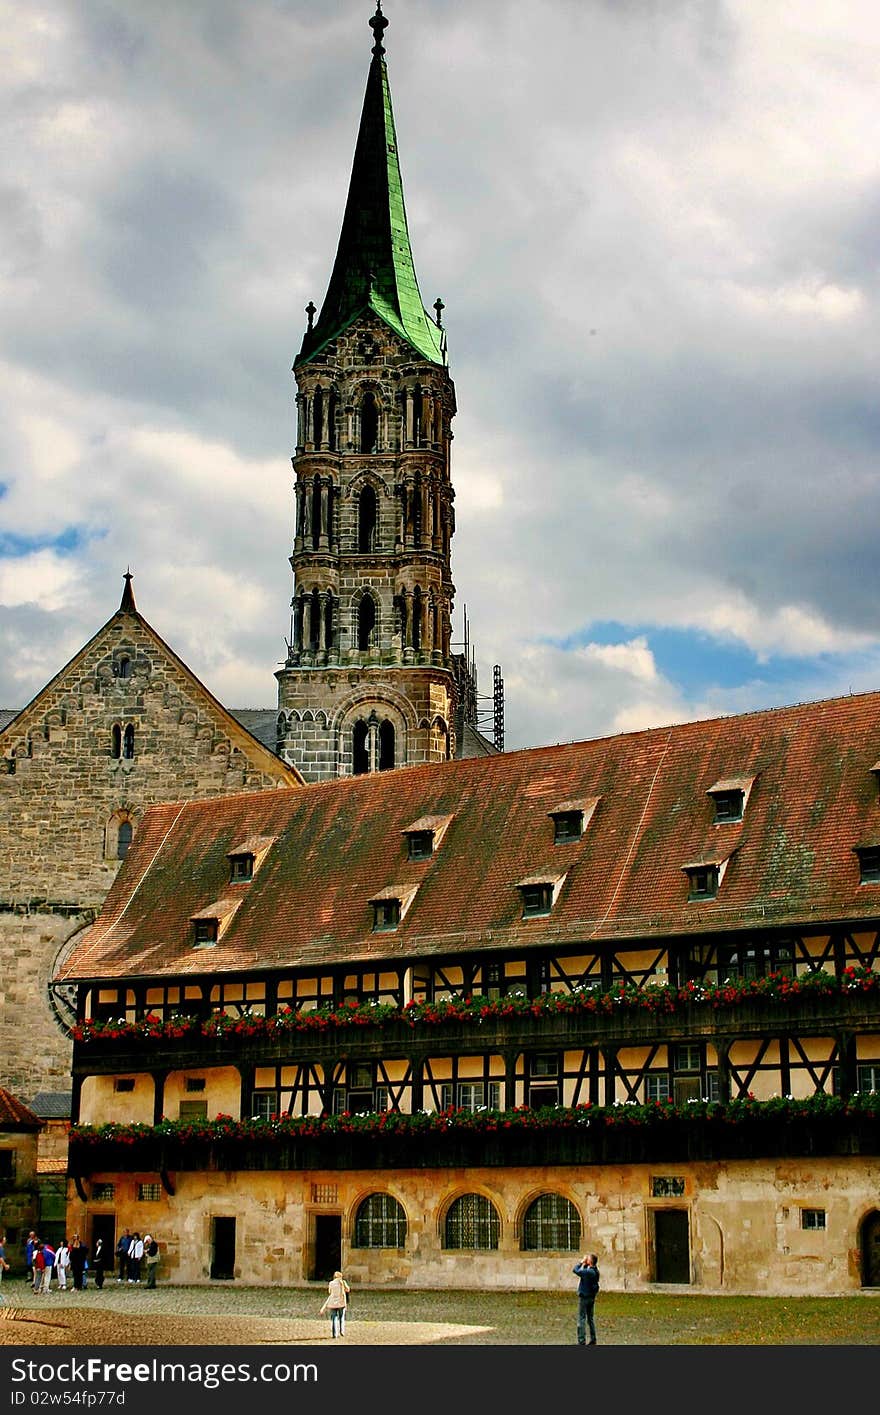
<point x="116" y="741"/>
<point x="380" y="1222"/>
<point x="471" y="1223"/>
<point x="368" y="517"/>
<point x="123" y="839"/>
<point x="369" y="423"/>
<point x="360" y="749"/>
<point x="551" y="1222"/>
<point x="366" y="622"/>
<point x="386" y="745"/>
<point x="128" y="742"/>
<point x="123" y="668"/>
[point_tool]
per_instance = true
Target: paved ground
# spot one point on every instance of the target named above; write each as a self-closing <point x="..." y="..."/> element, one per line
<point x="224" y="1314"/>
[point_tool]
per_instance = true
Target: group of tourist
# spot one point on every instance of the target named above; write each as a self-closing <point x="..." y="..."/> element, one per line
<point x="135" y="1255"/>
<point x="71" y="1265"/>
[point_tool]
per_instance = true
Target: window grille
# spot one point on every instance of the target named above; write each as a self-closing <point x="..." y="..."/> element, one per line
<point x="551" y="1222"/>
<point x="472" y="1223"/>
<point x="380" y="1223"/>
<point x="149" y="1193"/>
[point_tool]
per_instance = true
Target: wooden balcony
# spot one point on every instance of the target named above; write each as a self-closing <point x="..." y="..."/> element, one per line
<point x="804" y="1015"/>
<point x="668" y="1140"/>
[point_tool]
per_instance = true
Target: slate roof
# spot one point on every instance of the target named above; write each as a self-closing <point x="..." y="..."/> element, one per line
<point x="6" y="716"/>
<point x="339" y="844"/>
<point x="259" y="722"/>
<point x="52" y="1105"/>
<point x="15" y="1115"/>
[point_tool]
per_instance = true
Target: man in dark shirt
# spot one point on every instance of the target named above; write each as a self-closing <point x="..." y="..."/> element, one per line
<point x="587" y="1271"/>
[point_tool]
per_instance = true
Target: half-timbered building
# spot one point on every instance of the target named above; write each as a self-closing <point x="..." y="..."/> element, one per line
<point x="453" y="1024"/>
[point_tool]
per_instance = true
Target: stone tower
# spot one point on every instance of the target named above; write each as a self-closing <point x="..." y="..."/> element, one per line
<point x="370" y="678"/>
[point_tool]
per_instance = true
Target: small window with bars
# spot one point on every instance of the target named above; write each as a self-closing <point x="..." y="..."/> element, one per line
<point x="812" y="1218"/>
<point x="194" y="1083"/>
<point x="103" y="1193"/>
<point x="667" y="1186"/>
<point x="123" y="1083"/>
<point x="149" y="1193"/>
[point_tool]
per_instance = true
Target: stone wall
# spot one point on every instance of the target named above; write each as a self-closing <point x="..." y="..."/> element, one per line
<point x="744" y="1225"/>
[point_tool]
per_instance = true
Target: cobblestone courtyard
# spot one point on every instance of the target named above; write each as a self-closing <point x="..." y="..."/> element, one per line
<point x="228" y="1315"/>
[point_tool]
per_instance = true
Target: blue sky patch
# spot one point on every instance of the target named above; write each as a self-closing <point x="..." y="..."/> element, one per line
<point x="696" y="661"/>
<point x="13" y="547"/>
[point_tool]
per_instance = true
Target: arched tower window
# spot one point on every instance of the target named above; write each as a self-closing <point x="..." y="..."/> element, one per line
<point x="331" y="420"/>
<point x="369" y="423"/>
<point x="315" y="622"/>
<point x="123" y="839"/>
<point x="128" y="742"/>
<point x="417" y="618"/>
<point x="316" y="513"/>
<point x="386" y="746"/>
<point x="360" y="749"/>
<point x="116" y="741"/>
<point x="368" y="516"/>
<point x="318" y="417"/>
<point x="123" y="668"/>
<point x="366" y="621"/>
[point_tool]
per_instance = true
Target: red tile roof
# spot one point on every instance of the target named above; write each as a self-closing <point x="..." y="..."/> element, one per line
<point x="15" y="1115"/>
<point x="339" y="844"/>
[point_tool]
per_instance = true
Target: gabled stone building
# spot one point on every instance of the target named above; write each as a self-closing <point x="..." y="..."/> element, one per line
<point x="123" y="724"/>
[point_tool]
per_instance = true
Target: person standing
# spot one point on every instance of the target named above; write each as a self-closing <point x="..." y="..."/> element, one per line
<point x="135" y="1257"/>
<point x="335" y="1303"/>
<point x="48" y="1270"/>
<point x="38" y="1267"/>
<point x="122" y="1248"/>
<point x="29" y="1247"/>
<point x="587" y="1272"/>
<point x="98" y="1262"/>
<point x="151" y="1259"/>
<point x="78" y="1255"/>
<point x="62" y="1264"/>
<point x="4" y="1266"/>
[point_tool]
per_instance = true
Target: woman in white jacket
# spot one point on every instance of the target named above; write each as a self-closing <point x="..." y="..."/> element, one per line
<point x="62" y="1264"/>
<point x="336" y="1303"/>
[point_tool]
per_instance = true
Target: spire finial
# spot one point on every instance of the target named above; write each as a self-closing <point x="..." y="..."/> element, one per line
<point x="311" y="311"/>
<point x="127" y="603"/>
<point x="439" y="307"/>
<point x="378" y="24"/>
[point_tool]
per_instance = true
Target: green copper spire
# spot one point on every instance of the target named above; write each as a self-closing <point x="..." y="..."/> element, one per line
<point x="374" y="265"/>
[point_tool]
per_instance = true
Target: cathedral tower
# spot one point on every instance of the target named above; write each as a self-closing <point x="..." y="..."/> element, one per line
<point x="370" y="677"/>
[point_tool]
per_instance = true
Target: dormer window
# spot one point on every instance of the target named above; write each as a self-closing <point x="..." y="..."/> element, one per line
<point x="728" y="806"/>
<point x="571" y="818"/>
<point x="210" y="923"/>
<point x="205" y="932"/>
<point x="389" y="906"/>
<point x="421" y="844"/>
<point x="869" y="863"/>
<point x="538" y="894"/>
<point x="424" y="836"/>
<point x="246" y="857"/>
<point x="705" y="876"/>
<point x="386" y="915"/>
<point x="703" y="882"/>
<point x="729" y="796"/>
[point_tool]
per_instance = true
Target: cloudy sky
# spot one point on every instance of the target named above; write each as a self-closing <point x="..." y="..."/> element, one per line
<point x="654" y="224"/>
